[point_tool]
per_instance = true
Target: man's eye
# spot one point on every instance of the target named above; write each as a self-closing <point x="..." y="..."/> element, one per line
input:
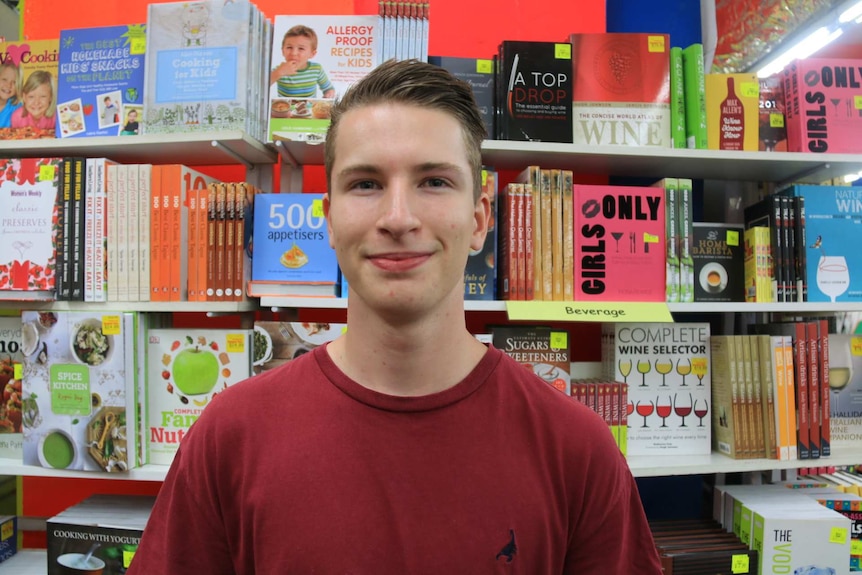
<point x="436" y="182"/>
<point x="364" y="185"/>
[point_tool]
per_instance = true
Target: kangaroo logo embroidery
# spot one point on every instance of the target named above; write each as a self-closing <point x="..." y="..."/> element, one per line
<point x="509" y="549"/>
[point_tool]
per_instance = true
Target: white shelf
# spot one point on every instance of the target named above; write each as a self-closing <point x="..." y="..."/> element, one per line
<point x="213" y="307"/>
<point x="146" y="473"/>
<point x="193" y="148"/>
<point x="26" y="562"/>
<point x="645" y="161"/>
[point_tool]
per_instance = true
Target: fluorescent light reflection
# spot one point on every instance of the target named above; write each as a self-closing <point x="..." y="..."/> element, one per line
<point x="802" y="49"/>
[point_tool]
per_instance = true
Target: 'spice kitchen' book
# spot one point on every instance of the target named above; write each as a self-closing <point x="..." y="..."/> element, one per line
<point x="101" y="81"/>
<point x="621" y="89"/>
<point x="534" y="91"/>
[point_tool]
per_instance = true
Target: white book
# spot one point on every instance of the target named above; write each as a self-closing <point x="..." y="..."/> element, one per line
<point x="111" y="231"/>
<point x="90" y="230"/>
<point x="133" y="226"/>
<point x="122" y="232"/>
<point x="144" y="243"/>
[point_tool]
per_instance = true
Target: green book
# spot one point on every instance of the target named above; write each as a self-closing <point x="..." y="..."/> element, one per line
<point x="684" y="221"/>
<point x="695" y="101"/>
<point x="677" y="99"/>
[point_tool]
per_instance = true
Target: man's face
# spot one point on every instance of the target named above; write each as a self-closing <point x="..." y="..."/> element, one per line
<point x="7" y="83"/>
<point x="297" y="49"/>
<point x="400" y="212"/>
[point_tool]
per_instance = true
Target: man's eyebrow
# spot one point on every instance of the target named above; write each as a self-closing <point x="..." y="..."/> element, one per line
<point x="425" y="167"/>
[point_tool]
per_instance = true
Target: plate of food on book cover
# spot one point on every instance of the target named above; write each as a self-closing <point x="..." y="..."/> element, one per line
<point x="262" y="346"/>
<point x="314" y="333"/>
<point x="89" y="344"/>
<point x="106" y="439"/>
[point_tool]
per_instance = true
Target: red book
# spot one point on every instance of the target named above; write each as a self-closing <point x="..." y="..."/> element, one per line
<point x="800" y="372"/>
<point x="815" y="418"/>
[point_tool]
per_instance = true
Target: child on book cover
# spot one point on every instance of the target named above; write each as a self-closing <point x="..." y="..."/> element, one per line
<point x="38" y="97"/>
<point x="132" y="126"/>
<point x="10" y="77"/>
<point x="297" y="76"/>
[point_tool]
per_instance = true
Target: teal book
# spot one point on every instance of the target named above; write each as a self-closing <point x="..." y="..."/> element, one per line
<point x="695" y="93"/>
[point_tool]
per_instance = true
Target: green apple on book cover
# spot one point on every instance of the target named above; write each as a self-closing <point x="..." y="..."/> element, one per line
<point x="186" y="369"/>
<point x="667" y="369"/>
<point x="79" y="390"/>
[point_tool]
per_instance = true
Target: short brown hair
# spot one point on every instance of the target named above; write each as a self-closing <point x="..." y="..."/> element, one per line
<point x="300" y="30"/>
<point x="418" y="84"/>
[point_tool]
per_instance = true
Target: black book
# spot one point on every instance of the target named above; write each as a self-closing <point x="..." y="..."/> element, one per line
<point x="767" y="213"/>
<point x="479" y="73"/>
<point x="78" y="231"/>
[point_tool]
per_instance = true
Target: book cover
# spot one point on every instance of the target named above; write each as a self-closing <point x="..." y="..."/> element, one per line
<point x="11" y="371"/>
<point x="772" y="133"/>
<point x="669" y="395"/>
<point x="197" y="62"/>
<point x="619" y="234"/>
<point x="479" y="74"/>
<point x="762" y="353"/>
<point x="825" y="109"/>
<point x="621" y="89"/>
<point x="277" y="342"/>
<point x="291" y="244"/>
<point x="718" y="255"/>
<point x="186" y="369"/>
<point x="801" y="541"/>
<point x="833" y="220"/>
<point x="315" y="59"/>
<point x="480" y="275"/>
<point x="677" y="99"/>
<point x="542" y="349"/>
<point x="757" y="266"/>
<point x="79" y="390"/>
<point x="672" y="243"/>
<point x="534" y="85"/>
<point x="732" y="111"/>
<point x="30" y="203"/>
<point x="34" y="65"/>
<point x="684" y="220"/>
<point x="766" y="213"/>
<point x="845" y="385"/>
<point x="727" y="421"/>
<point x="101" y="81"/>
<point x="694" y="83"/>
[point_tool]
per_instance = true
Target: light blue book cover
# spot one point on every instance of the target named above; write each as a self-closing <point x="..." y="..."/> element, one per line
<point x="833" y="226"/>
<point x="100" y="89"/>
<point x="290" y="241"/>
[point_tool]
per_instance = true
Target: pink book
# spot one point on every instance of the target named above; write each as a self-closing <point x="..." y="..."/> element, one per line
<point x="619" y="243"/>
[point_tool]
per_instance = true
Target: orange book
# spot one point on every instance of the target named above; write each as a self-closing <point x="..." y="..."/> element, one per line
<point x="202" y="238"/>
<point x="212" y="242"/>
<point x="229" y="240"/>
<point x="156" y="233"/>
<point x="546" y="237"/>
<point x="221" y="196"/>
<point x="568" y="236"/>
<point x="520" y="245"/>
<point x="530" y="244"/>
<point x="192" y="245"/>
<point x="555" y="213"/>
<point x="532" y="175"/>
<point x="244" y="195"/>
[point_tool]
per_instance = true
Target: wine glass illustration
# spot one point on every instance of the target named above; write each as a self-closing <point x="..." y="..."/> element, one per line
<point x="835" y="102"/>
<point x="663" y="410"/>
<point x="699" y="367"/>
<point x="664" y="367"/>
<point x="617" y="237"/>
<point x="630" y="408"/>
<point x="840" y="363"/>
<point x="645" y="409"/>
<point x="683" y="369"/>
<point x="643" y="369"/>
<point x="833" y="278"/>
<point x="682" y="410"/>
<point x="625" y="366"/>
<point x="701" y="412"/>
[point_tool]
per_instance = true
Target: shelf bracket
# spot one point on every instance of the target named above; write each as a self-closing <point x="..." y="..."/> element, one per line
<point x="248" y="165"/>
<point x="804" y="173"/>
<point x="285" y="154"/>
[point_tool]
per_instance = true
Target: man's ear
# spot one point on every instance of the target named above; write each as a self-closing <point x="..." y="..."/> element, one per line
<point x="482" y="217"/>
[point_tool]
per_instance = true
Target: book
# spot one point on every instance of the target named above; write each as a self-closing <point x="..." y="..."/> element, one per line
<point x="35" y="65"/>
<point x="480" y="275"/>
<point x="718" y="255"/>
<point x="669" y="396"/>
<point x="772" y="131"/>
<point x="845" y="387"/>
<point x="341" y="49"/>
<point x="101" y="81"/>
<point x="292" y="254"/>
<point x="542" y="349"/>
<point x="479" y="74"/>
<point x="727" y="421"/>
<point x="694" y="82"/>
<point x="677" y="99"/>
<point x="11" y="368"/>
<point x="766" y="213"/>
<point x="534" y="91"/>
<point x="619" y="234"/>
<point x="757" y="265"/>
<point x="79" y="390"/>
<point x="278" y="342"/>
<point x="672" y="244"/>
<point x="30" y="201"/>
<point x="822" y="113"/>
<point x="621" y="89"/>
<point x="773" y="442"/>
<point x="186" y="369"/>
<point x="732" y="111"/>
<point x="684" y="220"/>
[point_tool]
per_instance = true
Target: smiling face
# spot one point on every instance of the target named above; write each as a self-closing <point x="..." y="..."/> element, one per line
<point x="36" y="101"/>
<point x="401" y="213"/>
<point x="298" y="49"/>
<point x="8" y="83"/>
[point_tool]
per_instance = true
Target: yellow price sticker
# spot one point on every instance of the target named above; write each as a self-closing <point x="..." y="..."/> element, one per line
<point x="650" y="238"/>
<point x="838" y="535"/>
<point x="656" y="44"/>
<point x="739" y="564"/>
<point x="855" y="547"/>
<point x="317" y="208"/>
<point x="588" y="311"/>
<point x="857" y="102"/>
<point x="732" y="238"/>
<point x="127" y="558"/>
<point x="7" y="530"/>
<point x="776" y="120"/>
<point x="18" y="371"/>
<point x="563" y="51"/>
<point x="111" y="324"/>
<point x="856" y="345"/>
<point x="46" y="173"/>
<point x="138" y="46"/>
<point x="235" y="343"/>
<point x="559" y="340"/>
<point x="749" y="89"/>
<point x="484" y="66"/>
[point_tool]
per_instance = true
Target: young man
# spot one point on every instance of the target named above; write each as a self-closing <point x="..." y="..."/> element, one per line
<point x="404" y="446"/>
<point x="297" y="76"/>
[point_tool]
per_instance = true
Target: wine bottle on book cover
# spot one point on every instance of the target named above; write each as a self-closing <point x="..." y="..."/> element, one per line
<point x="667" y="369"/>
<point x="619" y="234"/>
<point x="542" y="349"/>
<point x="621" y="89"/>
<point x="30" y="202"/>
<point x="773" y="130"/>
<point x="100" y="87"/>
<point x="534" y="91"/>
<point x="292" y="255"/>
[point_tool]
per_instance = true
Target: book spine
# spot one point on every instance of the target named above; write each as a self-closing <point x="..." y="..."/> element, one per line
<point x="122" y="231"/>
<point x="791" y="109"/>
<point x="176" y="211"/>
<point x="677" y="99"/>
<point x="825" y="399"/>
<point x="239" y="267"/>
<point x="539" y="180"/>
<point x="779" y="386"/>
<point x="788" y="265"/>
<point x="202" y="243"/>
<point x="518" y="268"/>
<point x="686" y="263"/>
<point x="90" y="231"/>
<point x="212" y="217"/>
<point x="771" y="441"/>
<point x="62" y="287"/>
<point x="801" y="249"/>
<point x="531" y="245"/>
<point x="737" y="382"/>
<point x="745" y="414"/>
<point x="111" y="217"/>
<point x="800" y="372"/>
<point x="191" y="246"/>
<point x="776" y="249"/>
<point x="554" y="251"/>
<point x="100" y="239"/>
<point x="79" y="200"/>
<point x="133" y="265"/>
<point x="761" y="427"/>
<point x="568" y="237"/>
<point x="229" y="241"/>
<point x="790" y="394"/>
<point x="144" y="230"/>
<point x="156" y="225"/>
<point x="220" y="241"/>
<point x="814" y="393"/>
<point x="695" y="91"/>
<point x="545" y="237"/>
<point x="672" y="244"/>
